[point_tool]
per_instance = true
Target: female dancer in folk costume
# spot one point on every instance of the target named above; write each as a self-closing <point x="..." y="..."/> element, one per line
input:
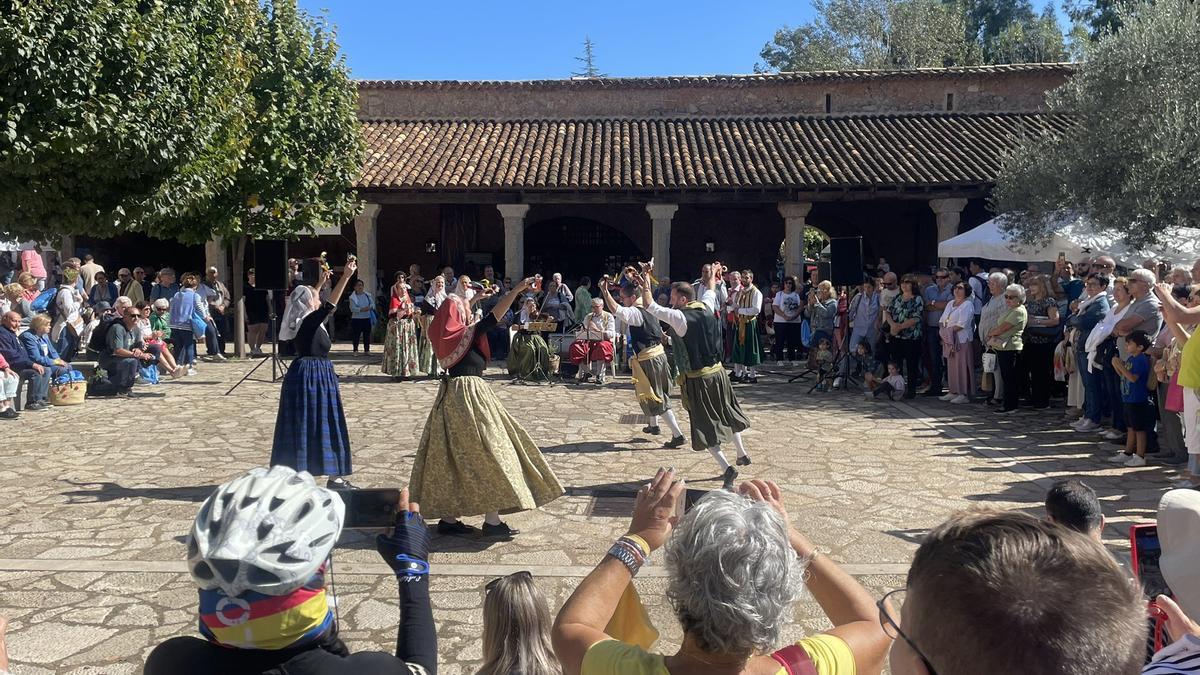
<point x="428" y="307"/>
<point x="400" y="353"/>
<point x="474" y="458"/>
<point x="310" y="429"/>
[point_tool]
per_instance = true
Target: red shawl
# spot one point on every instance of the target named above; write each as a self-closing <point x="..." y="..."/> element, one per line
<point x="452" y="332"/>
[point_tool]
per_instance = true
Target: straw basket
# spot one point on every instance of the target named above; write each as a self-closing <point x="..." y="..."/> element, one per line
<point x="70" y="393"/>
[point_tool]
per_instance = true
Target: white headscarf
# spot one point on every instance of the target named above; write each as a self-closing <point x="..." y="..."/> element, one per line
<point x="1179" y="534"/>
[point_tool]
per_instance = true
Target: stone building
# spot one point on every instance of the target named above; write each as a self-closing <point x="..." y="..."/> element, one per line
<point x="582" y="175"/>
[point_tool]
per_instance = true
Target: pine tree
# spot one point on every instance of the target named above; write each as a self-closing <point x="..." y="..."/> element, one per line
<point x="588" y="60"/>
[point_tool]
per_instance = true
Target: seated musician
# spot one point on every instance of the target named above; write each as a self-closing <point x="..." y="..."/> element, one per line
<point x="593" y="346"/>
<point x="529" y="357"/>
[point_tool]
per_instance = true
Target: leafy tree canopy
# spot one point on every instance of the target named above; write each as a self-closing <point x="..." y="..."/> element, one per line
<point x="1130" y="161"/>
<point x="115" y="114"/>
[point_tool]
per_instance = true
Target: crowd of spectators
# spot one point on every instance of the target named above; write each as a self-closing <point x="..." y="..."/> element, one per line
<point x="989" y="592"/>
<point x="124" y="332"/>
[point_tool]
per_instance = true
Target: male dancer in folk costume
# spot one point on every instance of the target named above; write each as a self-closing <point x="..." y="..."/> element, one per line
<point x="651" y="370"/>
<point x="474" y="458"/>
<point x="707" y="394"/>
<point x="746" y="351"/>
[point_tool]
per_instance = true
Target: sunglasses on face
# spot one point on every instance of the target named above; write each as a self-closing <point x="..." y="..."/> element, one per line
<point x="132" y="315"/>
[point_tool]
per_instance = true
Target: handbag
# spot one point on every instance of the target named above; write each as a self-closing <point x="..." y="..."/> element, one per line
<point x="374" y="317"/>
<point x="805" y="333"/>
<point x="989" y="361"/>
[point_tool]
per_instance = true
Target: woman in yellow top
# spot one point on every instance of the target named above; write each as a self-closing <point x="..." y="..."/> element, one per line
<point x="1178" y="316"/>
<point x="736" y="570"/>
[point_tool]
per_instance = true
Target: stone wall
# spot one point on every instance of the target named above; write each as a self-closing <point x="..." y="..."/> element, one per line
<point x="980" y="91"/>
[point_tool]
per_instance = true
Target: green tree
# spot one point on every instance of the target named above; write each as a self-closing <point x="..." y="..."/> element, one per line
<point x="1038" y="40"/>
<point x="587" y="61"/>
<point x="872" y="34"/>
<point x="1130" y="160"/>
<point x="1100" y="17"/>
<point x="116" y="114"/>
<point x="303" y="147"/>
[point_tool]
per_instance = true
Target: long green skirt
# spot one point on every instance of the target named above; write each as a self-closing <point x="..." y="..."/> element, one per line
<point x="475" y="458"/>
<point x="747" y="352"/>
<point x="529" y="357"/>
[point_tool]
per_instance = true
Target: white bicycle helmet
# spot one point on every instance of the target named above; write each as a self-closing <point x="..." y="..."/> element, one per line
<point x="266" y="531"/>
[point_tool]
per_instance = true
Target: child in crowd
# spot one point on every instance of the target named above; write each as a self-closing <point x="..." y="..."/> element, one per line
<point x="864" y="361"/>
<point x="1140" y="414"/>
<point x="9" y="379"/>
<point x="823" y="362"/>
<point x="888" y="386"/>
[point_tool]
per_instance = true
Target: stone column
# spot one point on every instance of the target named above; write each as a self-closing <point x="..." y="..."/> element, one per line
<point x="514" y="239"/>
<point x="660" y="236"/>
<point x="794" y="214"/>
<point x="948" y="213"/>
<point x="67" y="248"/>
<point x="214" y="256"/>
<point x="365" y="232"/>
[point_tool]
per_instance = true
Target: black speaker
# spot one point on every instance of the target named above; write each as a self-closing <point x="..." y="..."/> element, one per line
<point x="270" y="265"/>
<point x="846" y="261"/>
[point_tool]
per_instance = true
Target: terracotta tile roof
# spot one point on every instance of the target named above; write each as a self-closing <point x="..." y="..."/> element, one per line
<point x="731" y="81"/>
<point x="695" y="153"/>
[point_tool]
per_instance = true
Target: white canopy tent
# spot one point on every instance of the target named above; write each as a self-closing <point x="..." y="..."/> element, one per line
<point x="1077" y="238"/>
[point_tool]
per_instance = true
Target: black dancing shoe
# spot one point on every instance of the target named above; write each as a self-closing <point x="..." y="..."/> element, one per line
<point x="340" y="483"/>
<point x="751" y="380"/>
<point x="9" y="414"/>
<point x="743" y="461"/>
<point x="501" y="531"/>
<point x="652" y="430"/>
<point x="676" y="442"/>
<point x="459" y="527"/>
<point x="728" y="478"/>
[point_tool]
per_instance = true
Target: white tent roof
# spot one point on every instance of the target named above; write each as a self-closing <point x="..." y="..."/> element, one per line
<point x="1076" y="237"/>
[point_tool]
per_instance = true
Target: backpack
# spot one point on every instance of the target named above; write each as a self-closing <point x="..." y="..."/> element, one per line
<point x="44" y="301"/>
<point x="985" y="295"/>
<point x="99" y="341"/>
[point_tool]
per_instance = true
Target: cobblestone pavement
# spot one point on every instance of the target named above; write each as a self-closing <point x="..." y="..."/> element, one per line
<point x="99" y="498"/>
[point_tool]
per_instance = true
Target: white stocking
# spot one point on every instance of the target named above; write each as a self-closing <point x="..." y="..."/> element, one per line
<point x="715" y="451"/>
<point x="737" y="443"/>
<point x="669" y="416"/>
<point x="492" y="518"/>
<point x="654" y="420"/>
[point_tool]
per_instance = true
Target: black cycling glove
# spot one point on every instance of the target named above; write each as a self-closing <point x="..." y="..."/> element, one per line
<point x="407" y="550"/>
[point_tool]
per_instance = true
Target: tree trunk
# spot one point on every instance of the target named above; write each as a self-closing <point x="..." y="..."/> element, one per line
<point x="237" y="286"/>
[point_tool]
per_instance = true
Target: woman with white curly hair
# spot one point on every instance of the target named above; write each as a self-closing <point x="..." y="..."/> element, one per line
<point x="736" y="569"/>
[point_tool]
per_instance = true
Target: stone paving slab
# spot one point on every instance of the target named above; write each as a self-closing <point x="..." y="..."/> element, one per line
<point x="99" y="504"/>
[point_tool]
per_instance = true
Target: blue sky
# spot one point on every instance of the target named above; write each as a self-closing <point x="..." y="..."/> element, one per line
<point x="463" y="39"/>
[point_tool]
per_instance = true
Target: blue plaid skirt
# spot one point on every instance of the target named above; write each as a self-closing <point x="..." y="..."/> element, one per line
<point x="310" y="430"/>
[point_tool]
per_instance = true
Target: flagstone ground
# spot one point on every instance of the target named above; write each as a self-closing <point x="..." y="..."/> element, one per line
<point x="99" y="498"/>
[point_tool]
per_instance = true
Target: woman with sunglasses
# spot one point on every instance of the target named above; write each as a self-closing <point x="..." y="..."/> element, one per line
<point x="788" y="309"/>
<point x="736" y="568"/>
<point x="1087" y="312"/>
<point x="1005" y="339"/>
<point x="903" y="319"/>
<point x="516" y="628"/>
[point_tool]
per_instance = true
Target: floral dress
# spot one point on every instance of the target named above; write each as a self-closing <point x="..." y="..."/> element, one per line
<point x="400" y="350"/>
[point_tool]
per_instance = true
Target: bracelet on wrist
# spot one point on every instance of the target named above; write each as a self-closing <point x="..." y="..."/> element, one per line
<point x="628" y="553"/>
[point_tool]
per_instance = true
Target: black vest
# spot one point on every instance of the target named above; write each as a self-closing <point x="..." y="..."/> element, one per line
<point x="703" y="340"/>
<point x="646" y="335"/>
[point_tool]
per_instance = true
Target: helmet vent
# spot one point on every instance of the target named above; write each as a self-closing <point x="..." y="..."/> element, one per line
<point x="202" y="570"/>
<point x="305" y="509"/>
<point x="248" y="501"/>
<point x="321" y="540"/>
<point x="226" y="569"/>
<point x="257" y="576"/>
<point x="264" y="528"/>
<point x="276" y="502"/>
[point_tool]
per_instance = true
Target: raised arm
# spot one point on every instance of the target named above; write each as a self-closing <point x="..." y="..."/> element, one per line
<point x="508" y="298"/>
<point x="1173" y="309"/>
<point x="848" y="605"/>
<point x="347" y="272"/>
<point x="582" y="620"/>
<point x="609" y="301"/>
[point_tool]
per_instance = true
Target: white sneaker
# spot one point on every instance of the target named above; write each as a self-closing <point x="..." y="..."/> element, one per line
<point x="1087" y="426"/>
<point x="191" y="370"/>
<point x="219" y="357"/>
<point x="1136" y="461"/>
<point x="1112" y="435"/>
<point x="837" y="382"/>
<point x="1183" y="483"/>
<point x="1120" y="458"/>
<point x="947" y="397"/>
<point x="960" y="399"/>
